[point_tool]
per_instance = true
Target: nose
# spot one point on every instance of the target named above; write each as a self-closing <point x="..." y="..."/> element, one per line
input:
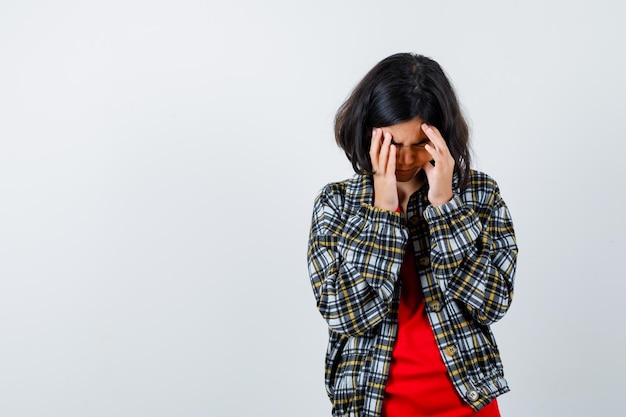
<point x="404" y="156"/>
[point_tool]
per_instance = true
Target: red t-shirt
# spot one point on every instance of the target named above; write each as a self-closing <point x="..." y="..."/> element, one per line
<point x="418" y="383"/>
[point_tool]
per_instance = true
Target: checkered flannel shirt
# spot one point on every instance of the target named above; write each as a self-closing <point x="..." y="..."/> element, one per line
<point x="465" y="253"/>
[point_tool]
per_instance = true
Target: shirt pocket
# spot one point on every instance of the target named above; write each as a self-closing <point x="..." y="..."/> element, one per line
<point x="351" y="375"/>
<point x="484" y="357"/>
<point x="349" y="383"/>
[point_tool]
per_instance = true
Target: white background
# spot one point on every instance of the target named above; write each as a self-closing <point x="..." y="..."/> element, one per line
<point x="158" y="164"/>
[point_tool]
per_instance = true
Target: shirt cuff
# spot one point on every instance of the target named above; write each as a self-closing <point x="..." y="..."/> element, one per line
<point x="392" y="218"/>
<point x="433" y="213"/>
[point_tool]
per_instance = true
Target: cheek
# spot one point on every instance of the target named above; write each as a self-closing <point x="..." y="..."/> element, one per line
<point x="422" y="156"/>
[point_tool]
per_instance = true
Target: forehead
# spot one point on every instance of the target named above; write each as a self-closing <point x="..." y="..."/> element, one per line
<point x="409" y="131"/>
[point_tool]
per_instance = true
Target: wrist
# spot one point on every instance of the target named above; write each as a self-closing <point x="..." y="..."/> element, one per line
<point x="440" y="201"/>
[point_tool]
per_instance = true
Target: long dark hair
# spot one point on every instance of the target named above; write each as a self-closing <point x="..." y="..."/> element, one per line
<point x="400" y="88"/>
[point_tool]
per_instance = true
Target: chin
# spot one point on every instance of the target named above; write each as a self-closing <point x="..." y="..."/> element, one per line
<point x="405" y="178"/>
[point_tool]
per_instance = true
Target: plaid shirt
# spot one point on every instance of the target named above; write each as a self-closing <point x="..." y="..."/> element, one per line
<point x="465" y="254"/>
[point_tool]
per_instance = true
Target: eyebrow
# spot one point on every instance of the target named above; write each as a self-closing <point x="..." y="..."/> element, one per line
<point x="421" y="142"/>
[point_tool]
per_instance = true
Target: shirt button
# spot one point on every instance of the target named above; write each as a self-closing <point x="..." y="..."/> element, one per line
<point x="424" y="261"/>
<point x="473" y="395"/>
<point x="435" y="306"/>
<point x="451" y="350"/>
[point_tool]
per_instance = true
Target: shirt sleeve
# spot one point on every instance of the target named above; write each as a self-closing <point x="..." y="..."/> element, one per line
<point x="354" y="261"/>
<point x="474" y="256"/>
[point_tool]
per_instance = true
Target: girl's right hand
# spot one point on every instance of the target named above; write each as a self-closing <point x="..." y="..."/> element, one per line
<point x="383" y="157"/>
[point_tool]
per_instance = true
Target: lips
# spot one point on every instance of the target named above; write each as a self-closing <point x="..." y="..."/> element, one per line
<point x="404" y="171"/>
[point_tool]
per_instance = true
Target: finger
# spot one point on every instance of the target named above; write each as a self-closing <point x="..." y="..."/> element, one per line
<point x="432" y="150"/>
<point x="428" y="167"/>
<point x="383" y="158"/>
<point x="435" y="136"/>
<point x="375" y="143"/>
<point x="442" y="158"/>
<point x="391" y="164"/>
<point x="375" y="148"/>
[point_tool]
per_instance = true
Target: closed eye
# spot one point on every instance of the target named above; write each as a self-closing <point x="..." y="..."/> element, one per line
<point x="421" y="144"/>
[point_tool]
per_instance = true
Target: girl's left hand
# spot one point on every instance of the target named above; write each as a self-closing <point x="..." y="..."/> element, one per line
<point x="440" y="175"/>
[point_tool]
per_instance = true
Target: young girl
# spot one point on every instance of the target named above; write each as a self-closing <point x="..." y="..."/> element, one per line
<point x="413" y="258"/>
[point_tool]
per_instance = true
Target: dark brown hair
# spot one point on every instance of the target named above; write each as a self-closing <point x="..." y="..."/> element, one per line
<point x="400" y="88"/>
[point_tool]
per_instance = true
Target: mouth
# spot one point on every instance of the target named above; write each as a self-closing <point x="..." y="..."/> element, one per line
<point x="404" y="171"/>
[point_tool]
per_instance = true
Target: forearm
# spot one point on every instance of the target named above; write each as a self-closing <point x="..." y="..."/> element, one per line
<point x="475" y="256"/>
<point x="354" y="264"/>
